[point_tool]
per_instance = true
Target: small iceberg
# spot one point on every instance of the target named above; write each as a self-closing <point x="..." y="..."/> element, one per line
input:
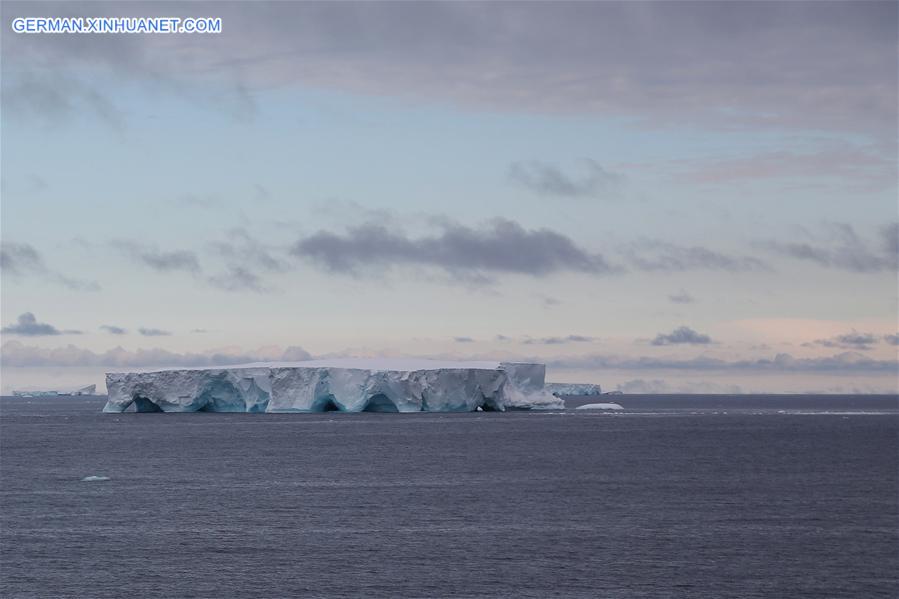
<point x="94" y="479"/>
<point x="600" y="406"/>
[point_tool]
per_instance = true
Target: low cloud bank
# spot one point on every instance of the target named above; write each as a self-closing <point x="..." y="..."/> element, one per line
<point x="838" y="363"/>
<point x="15" y="353"/>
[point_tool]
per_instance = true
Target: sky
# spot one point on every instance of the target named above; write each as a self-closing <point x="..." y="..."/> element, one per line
<point x="652" y="196"/>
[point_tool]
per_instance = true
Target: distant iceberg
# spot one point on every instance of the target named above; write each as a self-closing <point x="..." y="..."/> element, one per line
<point x="560" y="389"/>
<point x="600" y="406"/>
<point x="87" y="390"/>
<point x="346" y="385"/>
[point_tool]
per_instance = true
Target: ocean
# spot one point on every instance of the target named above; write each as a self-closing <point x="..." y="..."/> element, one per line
<point x="676" y="496"/>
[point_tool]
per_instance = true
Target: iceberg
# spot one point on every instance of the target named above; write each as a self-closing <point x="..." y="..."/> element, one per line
<point x="87" y="390"/>
<point x="560" y="389"/>
<point x="600" y="406"/>
<point x="345" y="385"/>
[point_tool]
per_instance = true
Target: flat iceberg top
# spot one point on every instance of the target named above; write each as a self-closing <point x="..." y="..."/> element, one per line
<point x="375" y="364"/>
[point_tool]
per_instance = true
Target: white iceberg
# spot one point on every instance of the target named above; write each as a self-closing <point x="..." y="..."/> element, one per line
<point x="94" y="479"/>
<point x="346" y="385"/>
<point x="560" y="389"/>
<point x="600" y="406"/>
<point x="87" y="390"/>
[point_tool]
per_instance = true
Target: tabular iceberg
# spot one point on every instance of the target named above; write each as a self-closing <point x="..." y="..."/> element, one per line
<point x="560" y="389"/>
<point x="347" y="385"/>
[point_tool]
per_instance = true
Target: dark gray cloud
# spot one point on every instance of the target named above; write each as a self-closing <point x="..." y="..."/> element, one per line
<point x="148" y="332"/>
<point x="661" y="256"/>
<point x="14" y="353"/>
<point x="22" y="260"/>
<point x="245" y="257"/>
<point x="681" y="297"/>
<point x="463" y="339"/>
<point x="113" y="330"/>
<point x="852" y="340"/>
<point x="238" y="278"/>
<point x="160" y="260"/>
<point x="892" y="339"/>
<point x="499" y="247"/>
<point x="743" y="64"/>
<point x="239" y="247"/>
<point x="19" y="258"/>
<point x="682" y="335"/>
<point x="28" y="326"/>
<point x="558" y="340"/>
<point x="845" y="250"/>
<point x="549" y="180"/>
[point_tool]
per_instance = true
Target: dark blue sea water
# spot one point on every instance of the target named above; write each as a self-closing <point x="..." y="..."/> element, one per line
<point x="676" y="497"/>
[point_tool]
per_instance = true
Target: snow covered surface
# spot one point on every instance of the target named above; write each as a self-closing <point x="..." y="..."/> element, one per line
<point x="347" y="385"/>
<point x="559" y="389"/>
<point x="600" y="406"/>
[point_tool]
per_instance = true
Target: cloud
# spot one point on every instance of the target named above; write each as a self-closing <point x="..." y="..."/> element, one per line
<point x="19" y="258"/>
<point x="682" y="335"/>
<point x="779" y="65"/>
<point x="113" y="330"/>
<point x="660" y="386"/>
<point x="463" y="339"/>
<point x="28" y="326"/>
<point x="241" y="248"/>
<point x="681" y="297"/>
<point x="845" y="250"/>
<point x="22" y="259"/>
<point x="147" y="332"/>
<point x="14" y="353"/>
<point x="238" y="278"/>
<point x="549" y="180"/>
<point x="55" y="96"/>
<point x="500" y="246"/>
<point x="845" y="362"/>
<point x="863" y="167"/>
<point x="295" y="353"/>
<point x="160" y="260"/>
<point x="660" y="256"/>
<point x="853" y="340"/>
<point x="245" y="257"/>
<point x="558" y="340"/>
<point x="892" y="339"/>
<point x="549" y="301"/>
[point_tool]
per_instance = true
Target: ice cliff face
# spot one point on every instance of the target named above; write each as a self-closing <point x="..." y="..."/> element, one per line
<point x="343" y="385"/>
<point x="560" y="389"/>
